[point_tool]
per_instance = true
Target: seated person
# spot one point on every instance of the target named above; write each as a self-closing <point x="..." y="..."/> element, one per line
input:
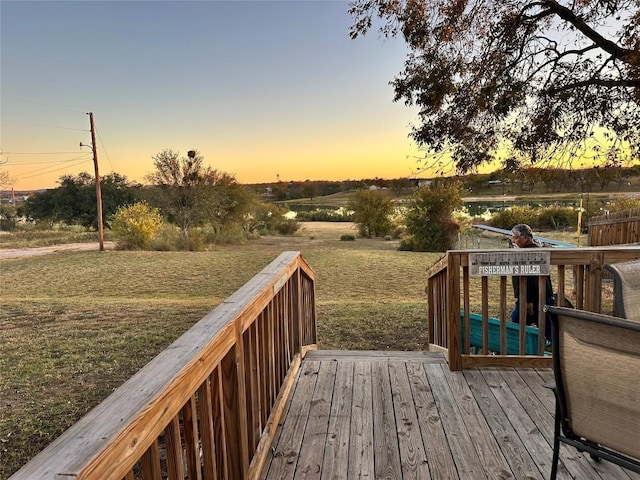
<point x="522" y="237"/>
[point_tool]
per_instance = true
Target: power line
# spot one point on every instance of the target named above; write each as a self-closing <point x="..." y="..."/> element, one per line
<point x="42" y="104"/>
<point x="46" y="126"/>
<point x="37" y="153"/>
<point x="49" y="171"/>
<point x="40" y="163"/>
<point x="105" y="151"/>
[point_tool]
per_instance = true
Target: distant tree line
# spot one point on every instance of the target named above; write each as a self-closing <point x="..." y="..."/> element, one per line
<point x="187" y="205"/>
<point x="280" y="191"/>
<point x="204" y="205"/>
<point x="532" y="179"/>
<point x="515" y="178"/>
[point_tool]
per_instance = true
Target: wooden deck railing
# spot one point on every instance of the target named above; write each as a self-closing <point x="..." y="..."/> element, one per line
<point x="208" y="405"/>
<point x="456" y="300"/>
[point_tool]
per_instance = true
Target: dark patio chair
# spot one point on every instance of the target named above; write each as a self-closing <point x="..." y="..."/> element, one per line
<point x="596" y="363"/>
<point x="626" y="283"/>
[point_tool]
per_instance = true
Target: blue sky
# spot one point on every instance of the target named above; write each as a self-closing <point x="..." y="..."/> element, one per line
<point x="262" y="89"/>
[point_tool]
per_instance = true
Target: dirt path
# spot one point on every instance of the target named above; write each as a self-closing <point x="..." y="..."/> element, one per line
<point x="320" y="230"/>
<point x="6" y="253"/>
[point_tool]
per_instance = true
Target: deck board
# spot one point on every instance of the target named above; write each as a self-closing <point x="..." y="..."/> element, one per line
<point x="386" y="454"/>
<point x="405" y="415"/>
<point x="336" y="450"/>
<point x="361" y="439"/>
<point x="439" y="458"/>
<point x="412" y="453"/>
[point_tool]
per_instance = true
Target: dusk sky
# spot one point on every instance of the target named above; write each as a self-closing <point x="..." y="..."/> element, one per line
<point x="263" y="89"/>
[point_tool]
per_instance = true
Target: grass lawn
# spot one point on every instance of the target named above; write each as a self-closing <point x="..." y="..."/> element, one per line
<point x="74" y="326"/>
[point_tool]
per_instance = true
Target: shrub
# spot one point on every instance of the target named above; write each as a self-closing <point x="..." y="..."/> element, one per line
<point x="269" y="218"/>
<point x="325" y="215"/>
<point x="619" y="204"/>
<point x="407" y="244"/>
<point x="513" y="216"/>
<point x="399" y="231"/>
<point x="347" y="237"/>
<point x="371" y="212"/>
<point x="230" y="234"/>
<point x="287" y="226"/>
<point x="556" y="218"/>
<point x="167" y="239"/>
<point x="429" y="217"/>
<point x="548" y="218"/>
<point x="194" y="242"/>
<point x="136" y="225"/>
<point x="8" y="218"/>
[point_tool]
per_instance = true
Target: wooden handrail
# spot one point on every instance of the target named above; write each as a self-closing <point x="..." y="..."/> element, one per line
<point x="211" y="398"/>
<point x="451" y="301"/>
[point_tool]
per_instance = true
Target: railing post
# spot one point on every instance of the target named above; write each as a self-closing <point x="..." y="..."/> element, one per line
<point x="503" y="314"/>
<point x="466" y="301"/>
<point x="485" y="315"/>
<point x="593" y="287"/>
<point x="453" y="310"/>
<point x="242" y="402"/>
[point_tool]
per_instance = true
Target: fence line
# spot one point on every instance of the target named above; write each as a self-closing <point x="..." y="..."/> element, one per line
<point x="615" y="228"/>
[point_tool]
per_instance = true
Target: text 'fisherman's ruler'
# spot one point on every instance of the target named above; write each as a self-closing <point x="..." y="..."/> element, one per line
<point x="530" y="261"/>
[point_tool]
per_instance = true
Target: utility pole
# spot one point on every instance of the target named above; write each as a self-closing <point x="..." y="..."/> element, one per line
<point x="98" y="188"/>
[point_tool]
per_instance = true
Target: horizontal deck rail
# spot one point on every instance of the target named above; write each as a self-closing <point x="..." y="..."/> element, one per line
<point x="208" y="405"/>
<point x="456" y="300"/>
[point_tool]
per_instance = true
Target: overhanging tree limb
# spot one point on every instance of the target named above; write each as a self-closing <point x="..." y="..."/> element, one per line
<point x="623" y="54"/>
<point x="534" y="76"/>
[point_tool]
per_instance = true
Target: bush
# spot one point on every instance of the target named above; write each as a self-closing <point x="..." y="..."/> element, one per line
<point x="325" y="215"/>
<point x="429" y="218"/>
<point x="194" y="242"/>
<point x="399" y="232"/>
<point x="371" y="212"/>
<point x="167" y="239"/>
<point x="135" y="226"/>
<point x="548" y="218"/>
<point x="287" y="226"/>
<point x="513" y="216"/>
<point x="407" y="244"/>
<point x="269" y="218"/>
<point x="619" y="204"/>
<point x="8" y="218"/>
<point x="231" y="233"/>
<point x="347" y="237"/>
<point x="553" y="218"/>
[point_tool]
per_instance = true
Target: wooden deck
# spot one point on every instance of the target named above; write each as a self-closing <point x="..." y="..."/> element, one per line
<point x="404" y="415"/>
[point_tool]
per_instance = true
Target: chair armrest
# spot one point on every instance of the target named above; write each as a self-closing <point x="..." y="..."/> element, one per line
<point x="593" y="317"/>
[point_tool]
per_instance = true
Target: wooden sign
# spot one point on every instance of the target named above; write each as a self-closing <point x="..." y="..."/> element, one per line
<point x="528" y="262"/>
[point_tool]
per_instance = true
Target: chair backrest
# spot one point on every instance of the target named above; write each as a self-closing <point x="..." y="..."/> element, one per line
<point x="597" y="371"/>
<point x="626" y="280"/>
